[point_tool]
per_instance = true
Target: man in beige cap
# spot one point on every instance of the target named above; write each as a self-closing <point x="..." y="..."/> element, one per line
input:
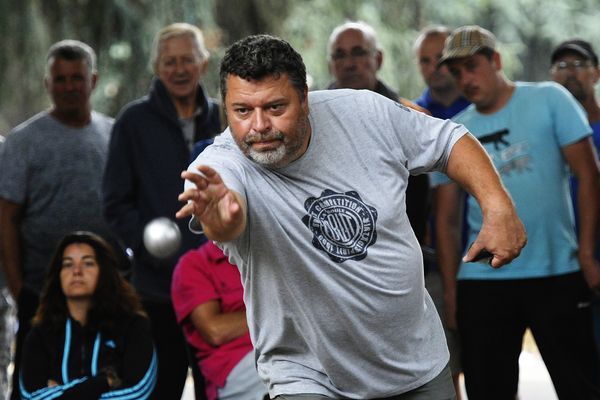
<point x="532" y="132"/>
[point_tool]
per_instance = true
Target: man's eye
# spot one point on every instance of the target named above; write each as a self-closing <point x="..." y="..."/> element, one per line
<point x="470" y="66"/>
<point x="241" y="111"/>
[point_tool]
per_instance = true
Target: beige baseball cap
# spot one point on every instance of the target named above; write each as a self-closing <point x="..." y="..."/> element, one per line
<point x="466" y="41"/>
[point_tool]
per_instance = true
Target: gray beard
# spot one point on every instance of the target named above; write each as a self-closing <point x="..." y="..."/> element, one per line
<point x="267" y="158"/>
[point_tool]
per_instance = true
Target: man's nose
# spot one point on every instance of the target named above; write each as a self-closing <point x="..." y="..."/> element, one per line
<point x="463" y="79"/>
<point x="179" y="66"/>
<point x="69" y="84"/>
<point x="570" y="71"/>
<point x="261" y="122"/>
<point x="348" y="62"/>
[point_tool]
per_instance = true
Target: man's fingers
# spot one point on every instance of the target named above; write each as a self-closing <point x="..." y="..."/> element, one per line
<point x="474" y="252"/>
<point x="185" y="211"/>
<point x="196" y="179"/>
<point x="210" y="175"/>
<point x="189" y="195"/>
<point x="229" y="208"/>
<point x="206" y="170"/>
<point x="478" y="252"/>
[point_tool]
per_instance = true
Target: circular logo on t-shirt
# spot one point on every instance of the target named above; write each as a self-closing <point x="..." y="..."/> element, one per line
<point x="342" y="224"/>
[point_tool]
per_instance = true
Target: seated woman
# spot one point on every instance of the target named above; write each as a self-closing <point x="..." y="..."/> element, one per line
<point x="90" y="337"/>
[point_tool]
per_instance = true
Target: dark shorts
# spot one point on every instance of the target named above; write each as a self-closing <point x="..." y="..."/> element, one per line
<point x="492" y="319"/>
<point x="439" y="388"/>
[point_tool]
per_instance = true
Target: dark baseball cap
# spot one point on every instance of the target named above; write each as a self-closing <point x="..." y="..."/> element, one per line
<point x="578" y="46"/>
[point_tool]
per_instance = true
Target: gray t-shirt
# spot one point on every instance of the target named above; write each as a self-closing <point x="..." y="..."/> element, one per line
<point x="55" y="173"/>
<point x="332" y="271"/>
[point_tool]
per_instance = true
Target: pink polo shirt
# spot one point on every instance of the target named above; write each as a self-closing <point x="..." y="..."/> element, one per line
<point x="200" y="276"/>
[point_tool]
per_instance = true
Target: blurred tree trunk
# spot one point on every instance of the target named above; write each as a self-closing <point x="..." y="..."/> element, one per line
<point x="21" y="62"/>
<point x="238" y="19"/>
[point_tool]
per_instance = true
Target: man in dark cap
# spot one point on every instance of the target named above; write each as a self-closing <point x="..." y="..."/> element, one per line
<point x="575" y="66"/>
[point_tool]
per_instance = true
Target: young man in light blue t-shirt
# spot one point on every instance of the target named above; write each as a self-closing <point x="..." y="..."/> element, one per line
<point x="533" y="133"/>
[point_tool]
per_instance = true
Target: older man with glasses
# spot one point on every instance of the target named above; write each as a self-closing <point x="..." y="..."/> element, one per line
<point x="575" y="66"/>
<point x="355" y="57"/>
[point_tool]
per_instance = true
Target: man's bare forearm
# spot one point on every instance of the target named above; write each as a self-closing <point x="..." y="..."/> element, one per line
<point x="448" y="223"/>
<point x="470" y="166"/>
<point x="583" y="163"/>
<point x="502" y="232"/>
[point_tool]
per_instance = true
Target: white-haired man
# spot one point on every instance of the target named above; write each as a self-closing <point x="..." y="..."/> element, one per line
<point x="151" y="142"/>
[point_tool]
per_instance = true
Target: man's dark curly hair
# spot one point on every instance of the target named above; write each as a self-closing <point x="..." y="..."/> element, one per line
<point x="259" y="56"/>
<point x="113" y="301"/>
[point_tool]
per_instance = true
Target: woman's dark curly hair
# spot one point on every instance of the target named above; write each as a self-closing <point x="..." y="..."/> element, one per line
<point x="113" y="300"/>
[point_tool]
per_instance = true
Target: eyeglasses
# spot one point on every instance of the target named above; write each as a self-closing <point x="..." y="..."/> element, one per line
<point x="577" y="65"/>
<point x="356" y="53"/>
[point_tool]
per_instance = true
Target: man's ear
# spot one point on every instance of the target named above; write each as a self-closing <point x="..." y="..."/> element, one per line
<point x="497" y="60"/>
<point x="304" y="101"/>
<point x="330" y="66"/>
<point x="203" y="67"/>
<point x="378" y="59"/>
<point x="94" y="80"/>
<point x="596" y="74"/>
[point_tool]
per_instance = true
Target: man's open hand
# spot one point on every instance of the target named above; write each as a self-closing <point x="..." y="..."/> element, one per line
<point x="220" y="211"/>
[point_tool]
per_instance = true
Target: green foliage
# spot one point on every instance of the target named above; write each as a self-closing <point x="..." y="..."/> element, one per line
<point x="121" y="31"/>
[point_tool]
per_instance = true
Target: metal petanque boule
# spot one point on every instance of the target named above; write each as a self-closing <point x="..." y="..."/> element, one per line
<point x="162" y="237"/>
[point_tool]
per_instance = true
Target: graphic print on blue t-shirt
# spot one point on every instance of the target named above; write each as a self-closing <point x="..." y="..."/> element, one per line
<point x="508" y="157"/>
<point x="342" y="224"/>
<point x="496" y="137"/>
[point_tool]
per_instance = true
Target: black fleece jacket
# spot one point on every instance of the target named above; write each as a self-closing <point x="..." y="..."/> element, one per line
<point x="147" y="153"/>
<point x="78" y="359"/>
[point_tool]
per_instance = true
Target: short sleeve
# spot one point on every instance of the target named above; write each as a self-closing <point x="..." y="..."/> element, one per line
<point x="569" y="117"/>
<point x="13" y="164"/>
<point x="423" y="143"/>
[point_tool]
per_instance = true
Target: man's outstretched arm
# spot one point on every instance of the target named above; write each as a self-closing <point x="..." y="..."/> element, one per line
<point x="220" y="211"/>
<point x="502" y="232"/>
